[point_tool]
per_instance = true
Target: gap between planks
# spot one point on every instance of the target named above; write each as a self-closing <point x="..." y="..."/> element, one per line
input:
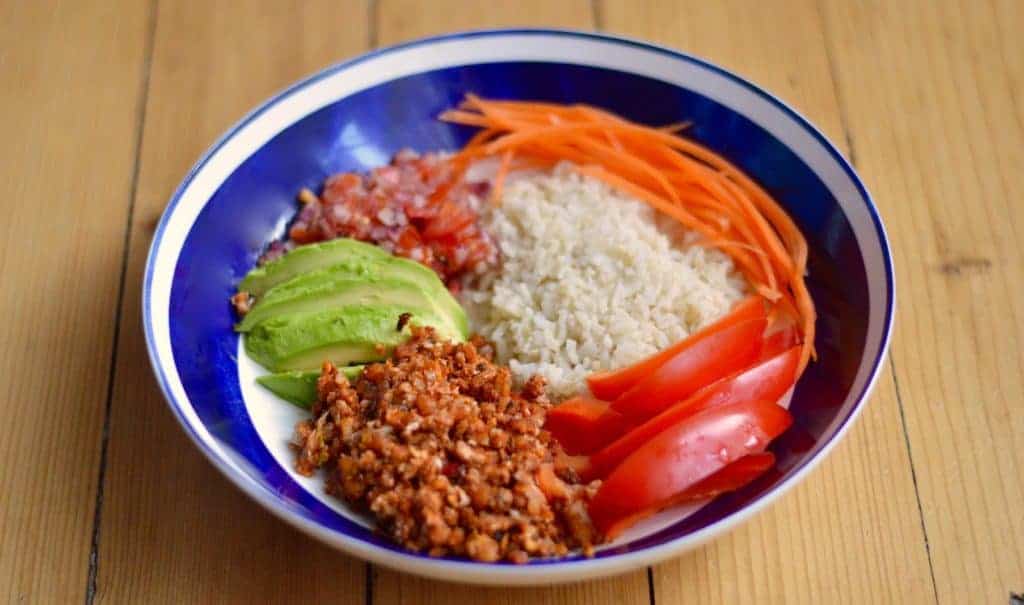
<point x="844" y="123"/>
<point x="142" y="97"/>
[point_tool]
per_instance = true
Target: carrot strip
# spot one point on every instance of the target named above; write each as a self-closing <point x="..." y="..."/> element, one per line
<point x="610" y="155"/>
<point x="499" y="178"/>
<point x="465" y="118"/>
<point x="613" y="141"/>
<point x="675" y="127"/>
<point x="765" y="234"/>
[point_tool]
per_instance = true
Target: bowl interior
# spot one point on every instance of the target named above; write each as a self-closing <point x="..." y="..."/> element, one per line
<point x="361" y="130"/>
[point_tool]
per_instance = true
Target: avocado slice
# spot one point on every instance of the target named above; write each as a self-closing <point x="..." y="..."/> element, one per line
<point x="299" y="387"/>
<point x="324" y="294"/>
<point x="391" y="280"/>
<point x="306" y="258"/>
<point x="343" y="335"/>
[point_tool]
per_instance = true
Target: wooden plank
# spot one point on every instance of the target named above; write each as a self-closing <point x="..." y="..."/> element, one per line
<point x="935" y="102"/>
<point x="851" y="532"/>
<point x="71" y="83"/>
<point x="402" y="20"/>
<point x="390" y="587"/>
<point x="173" y="530"/>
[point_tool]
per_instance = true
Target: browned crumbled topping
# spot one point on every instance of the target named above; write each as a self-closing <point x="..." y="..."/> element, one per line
<point x="448" y="458"/>
<point x="307" y="197"/>
<point x="242" y="302"/>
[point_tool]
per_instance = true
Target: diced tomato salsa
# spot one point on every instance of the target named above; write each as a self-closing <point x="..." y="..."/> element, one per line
<point x="410" y="207"/>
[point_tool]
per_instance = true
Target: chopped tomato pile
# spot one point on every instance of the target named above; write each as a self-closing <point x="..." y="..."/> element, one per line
<point x="414" y="207"/>
<point x="686" y="424"/>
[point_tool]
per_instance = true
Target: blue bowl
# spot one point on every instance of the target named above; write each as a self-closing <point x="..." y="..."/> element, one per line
<point x="354" y="116"/>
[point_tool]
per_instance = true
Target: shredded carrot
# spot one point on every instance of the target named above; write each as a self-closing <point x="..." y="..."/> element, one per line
<point x="499" y="178"/>
<point x="678" y="177"/>
<point x="676" y="126"/>
<point x="464" y="117"/>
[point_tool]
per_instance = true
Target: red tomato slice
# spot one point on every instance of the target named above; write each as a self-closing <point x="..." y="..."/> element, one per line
<point x="583" y="425"/>
<point x="683" y="456"/>
<point x="609" y="385"/>
<point x="767" y="381"/>
<point x="729" y="479"/>
<point x="781" y="334"/>
<point x="708" y="358"/>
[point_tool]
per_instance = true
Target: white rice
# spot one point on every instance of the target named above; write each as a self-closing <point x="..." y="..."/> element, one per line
<point x="589" y="281"/>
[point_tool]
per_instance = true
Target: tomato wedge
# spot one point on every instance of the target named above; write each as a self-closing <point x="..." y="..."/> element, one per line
<point x="609" y="385"/>
<point x="729" y="479"/>
<point x="779" y="338"/>
<point x="766" y="381"/>
<point x="583" y="425"/>
<point x="681" y="457"/>
<point x="709" y="358"/>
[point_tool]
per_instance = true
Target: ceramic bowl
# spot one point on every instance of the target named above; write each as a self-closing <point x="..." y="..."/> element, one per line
<point x="353" y="116"/>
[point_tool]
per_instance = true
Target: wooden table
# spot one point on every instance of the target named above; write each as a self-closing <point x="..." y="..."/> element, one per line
<point x="106" y="104"/>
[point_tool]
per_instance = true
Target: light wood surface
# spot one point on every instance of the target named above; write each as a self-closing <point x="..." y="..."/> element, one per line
<point x="69" y="111"/>
<point x="107" y="104"/>
<point x="948" y="176"/>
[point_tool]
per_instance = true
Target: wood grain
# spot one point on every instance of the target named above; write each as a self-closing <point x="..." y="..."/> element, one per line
<point x="854" y="523"/>
<point x="173" y="529"/>
<point x="927" y="97"/>
<point x="71" y="85"/>
<point x="934" y="101"/>
<point x="402" y="20"/>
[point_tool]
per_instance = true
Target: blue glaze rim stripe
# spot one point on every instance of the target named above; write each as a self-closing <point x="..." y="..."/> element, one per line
<point x="796" y="116"/>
